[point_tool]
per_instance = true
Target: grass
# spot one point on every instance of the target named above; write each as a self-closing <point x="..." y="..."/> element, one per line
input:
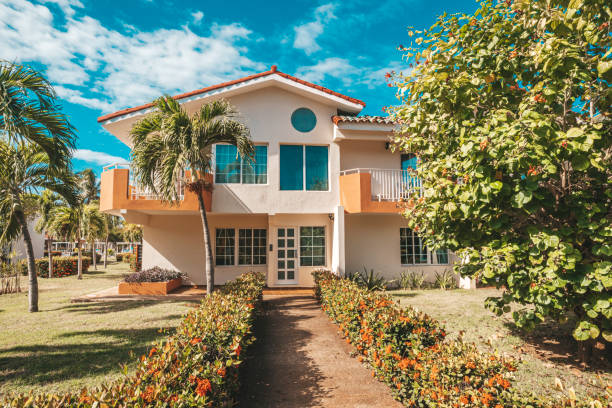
<point x="546" y="353"/>
<point x="67" y="346"/>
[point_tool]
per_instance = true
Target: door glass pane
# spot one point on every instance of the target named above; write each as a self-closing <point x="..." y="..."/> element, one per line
<point x="281" y="232"/>
<point x="281" y="264"/>
<point x="291" y="253"/>
<point x="281" y="275"/>
<point x="290" y="232"/>
<point x="281" y="253"/>
<point x="290" y="275"/>
<point x="227" y="167"/>
<point x="281" y="243"/>
<point x="291" y="167"/>
<point x="316" y="168"/>
<point x="290" y="264"/>
<point x="290" y="243"/>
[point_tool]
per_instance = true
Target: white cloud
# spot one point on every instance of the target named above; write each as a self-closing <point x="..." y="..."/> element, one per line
<point x="339" y="68"/>
<point x="197" y="17"/>
<point x="306" y="34"/>
<point x="83" y="56"/>
<point x="99" y="158"/>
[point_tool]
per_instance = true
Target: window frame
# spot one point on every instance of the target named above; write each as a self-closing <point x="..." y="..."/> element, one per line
<point x="299" y="247"/>
<point x="430" y="254"/>
<point x="233" y="254"/>
<point x="253" y="246"/>
<point x="303" y="145"/>
<point x="214" y="166"/>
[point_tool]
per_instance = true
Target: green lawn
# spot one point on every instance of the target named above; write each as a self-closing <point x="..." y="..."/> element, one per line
<point x="67" y="346"/>
<point x="546" y="353"/>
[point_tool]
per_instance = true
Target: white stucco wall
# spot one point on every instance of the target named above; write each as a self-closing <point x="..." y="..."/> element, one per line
<point x="373" y="241"/>
<point x="176" y="242"/>
<point x="367" y="154"/>
<point x="267" y="113"/>
<point x="38" y="242"/>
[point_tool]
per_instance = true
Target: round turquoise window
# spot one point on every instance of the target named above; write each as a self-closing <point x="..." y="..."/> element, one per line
<point x="303" y="120"/>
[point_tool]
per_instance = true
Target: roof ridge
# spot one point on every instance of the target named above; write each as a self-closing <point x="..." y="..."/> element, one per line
<point x="273" y="70"/>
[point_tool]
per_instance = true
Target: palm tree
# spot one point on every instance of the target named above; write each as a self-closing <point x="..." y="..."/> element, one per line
<point x="25" y="168"/>
<point x="89" y="186"/>
<point x="168" y="142"/>
<point x="28" y="113"/>
<point x="93" y="228"/>
<point x="46" y="202"/>
<point x="111" y="222"/>
<point x="67" y="222"/>
<point x="132" y="232"/>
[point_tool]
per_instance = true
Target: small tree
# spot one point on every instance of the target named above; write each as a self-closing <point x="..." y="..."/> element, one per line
<point x="67" y="222"/>
<point x="169" y="141"/>
<point x="93" y="228"/>
<point x="111" y="223"/>
<point x="47" y="201"/>
<point x="509" y="111"/>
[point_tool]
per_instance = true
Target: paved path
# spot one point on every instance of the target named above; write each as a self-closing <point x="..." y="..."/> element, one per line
<point x="300" y="360"/>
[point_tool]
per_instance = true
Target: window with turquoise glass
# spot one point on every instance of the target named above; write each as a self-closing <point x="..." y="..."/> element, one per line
<point x="303" y="120"/>
<point x="291" y="167"/>
<point x="230" y="168"/>
<point x="316" y="168"/>
<point x="256" y="171"/>
<point x="227" y="167"/>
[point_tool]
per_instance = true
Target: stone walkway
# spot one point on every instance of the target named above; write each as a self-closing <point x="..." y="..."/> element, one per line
<point x="300" y="360"/>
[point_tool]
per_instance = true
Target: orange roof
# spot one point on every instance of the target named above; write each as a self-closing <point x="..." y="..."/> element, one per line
<point x="362" y="119"/>
<point x="272" y="71"/>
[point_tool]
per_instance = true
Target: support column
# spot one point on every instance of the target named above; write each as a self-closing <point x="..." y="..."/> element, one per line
<point x="338" y="241"/>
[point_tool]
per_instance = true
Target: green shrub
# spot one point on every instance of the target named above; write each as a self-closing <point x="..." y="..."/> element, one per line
<point x="369" y="280"/>
<point x="412" y="280"/>
<point x="407" y="350"/>
<point x="122" y="256"/>
<point x="445" y="280"/>
<point x="195" y="367"/>
<point x="62" y="266"/>
<point x="135" y="265"/>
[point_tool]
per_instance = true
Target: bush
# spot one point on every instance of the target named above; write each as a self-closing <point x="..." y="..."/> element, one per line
<point x="369" y="280"/>
<point x="122" y="256"/>
<point x="407" y="350"/>
<point x="62" y="266"/>
<point x="412" y="280"/>
<point x="88" y="254"/>
<point x="155" y="274"/>
<point x="135" y="265"/>
<point x="195" y="367"/>
<point x="446" y="280"/>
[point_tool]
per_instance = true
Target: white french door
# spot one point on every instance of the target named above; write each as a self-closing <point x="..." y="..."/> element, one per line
<point x="286" y="256"/>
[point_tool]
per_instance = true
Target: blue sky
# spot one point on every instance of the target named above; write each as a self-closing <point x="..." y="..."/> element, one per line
<point x="105" y="55"/>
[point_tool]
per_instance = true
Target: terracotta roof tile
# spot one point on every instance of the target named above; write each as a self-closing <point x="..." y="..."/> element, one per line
<point x="362" y="119"/>
<point x="272" y="71"/>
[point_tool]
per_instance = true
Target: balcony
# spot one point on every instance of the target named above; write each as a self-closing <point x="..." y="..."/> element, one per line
<point x="377" y="190"/>
<point x="120" y="193"/>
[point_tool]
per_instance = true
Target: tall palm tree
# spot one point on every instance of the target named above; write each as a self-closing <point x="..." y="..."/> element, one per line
<point x="29" y="113"/>
<point x="169" y="141"/>
<point x="25" y="168"/>
<point x="67" y="222"/>
<point x="89" y="186"/>
<point x="47" y="201"/>
<point x="93" y="228"/>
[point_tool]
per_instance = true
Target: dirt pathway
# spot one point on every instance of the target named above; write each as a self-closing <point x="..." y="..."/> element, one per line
<point x="300" y="360"/>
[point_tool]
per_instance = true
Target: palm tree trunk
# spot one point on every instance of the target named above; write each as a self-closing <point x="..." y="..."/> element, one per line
<point x="50" y="256"/>
<point x="80" y="261"/>
<point x="210" y="271"/>
<point x="105" y="251"/>
<point x="93" y="255"/>
<point x="33" y="280"/>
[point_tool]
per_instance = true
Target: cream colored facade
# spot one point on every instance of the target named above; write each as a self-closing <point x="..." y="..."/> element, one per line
<point x="369" y="236"/>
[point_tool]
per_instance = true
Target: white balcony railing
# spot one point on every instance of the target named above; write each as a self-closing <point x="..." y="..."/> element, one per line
<point x="138" y="192"/>
<point x="391" y="184"/>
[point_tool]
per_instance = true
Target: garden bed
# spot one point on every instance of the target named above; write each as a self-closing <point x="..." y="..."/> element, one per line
<point x="149" y="288"/>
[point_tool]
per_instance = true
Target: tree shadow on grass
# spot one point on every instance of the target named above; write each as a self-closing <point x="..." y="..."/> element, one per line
<point x="278" y="372"/>
<point x="114" y="306"/>
<point x="553" y="342"/>
<point x="404" y="295"/>
<point x="40" y="364"/>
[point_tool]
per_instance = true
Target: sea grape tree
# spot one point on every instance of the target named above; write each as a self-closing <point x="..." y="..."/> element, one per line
<point x="508" y="110"/>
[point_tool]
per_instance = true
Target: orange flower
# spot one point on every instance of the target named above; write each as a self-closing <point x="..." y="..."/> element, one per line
<point x="388" y="349"/>
<point x="464" y="400"/>
<point x="237" y="350"/>
<point x="195" y="341"/>
<point x="153" y="351"/>
<point x="221" y="372"/>
<point x="203" y="387"/>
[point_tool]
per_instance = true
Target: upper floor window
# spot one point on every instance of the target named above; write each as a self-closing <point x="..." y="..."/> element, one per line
<point x="303" y="120"/>
<point x="414" y="252"/>
<point x="304" y="166"/>
<point x="230" y="168"/>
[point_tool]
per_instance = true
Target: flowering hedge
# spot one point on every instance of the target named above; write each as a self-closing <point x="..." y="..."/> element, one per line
<point x="62" y="266"/>
<point x="197" y="366"/>
<point x="407" y="350"/>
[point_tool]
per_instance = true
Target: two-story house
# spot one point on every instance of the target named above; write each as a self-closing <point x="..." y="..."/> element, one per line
<point x="324" y="190"/>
